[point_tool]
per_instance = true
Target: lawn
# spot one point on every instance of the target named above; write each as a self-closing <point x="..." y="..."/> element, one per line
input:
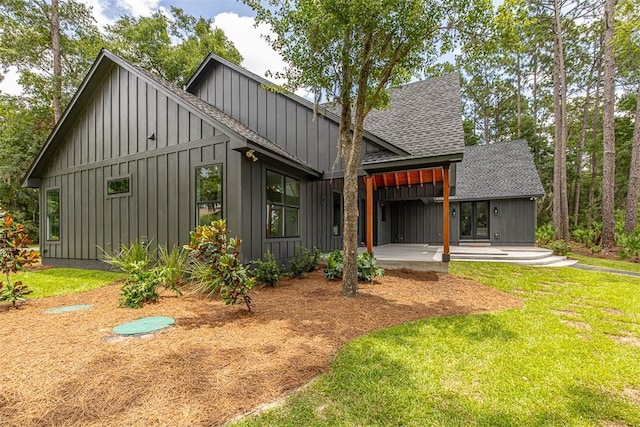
<point x="569" y="356"/>
<point x="64" y="281"/>
<point x="607" y="263"/>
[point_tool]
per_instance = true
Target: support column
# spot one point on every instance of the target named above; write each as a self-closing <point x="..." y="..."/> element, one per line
<point x="369" y="217"/>
<point x="446" y="257"/>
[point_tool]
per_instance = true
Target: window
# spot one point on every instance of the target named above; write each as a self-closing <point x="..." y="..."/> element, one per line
<point x="337" y="213"/>
<point x="383" y="212"/>
<point x="283" y="205"/>
<point x="53" y="214"/>
<point x="118" y="186"/>
<point x="208" y="194"/>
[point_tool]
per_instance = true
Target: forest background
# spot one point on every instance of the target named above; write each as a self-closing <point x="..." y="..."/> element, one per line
<point x="562" y="75"/>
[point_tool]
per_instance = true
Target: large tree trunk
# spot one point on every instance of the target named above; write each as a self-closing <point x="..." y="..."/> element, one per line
<point x="560" y="201"/>
<point x="534" y="90"/>
<point x="631" y="214"/>
<point x="608" y="130"/>
<point x="57" y="62"/>
<point x="519" y="95"/>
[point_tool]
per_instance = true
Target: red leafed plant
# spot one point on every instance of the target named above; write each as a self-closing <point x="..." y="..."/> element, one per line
<point x="14" y="256"/>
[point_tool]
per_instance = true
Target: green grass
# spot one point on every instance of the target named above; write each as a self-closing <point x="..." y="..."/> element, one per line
<point x="63" y="281"/>
<point x="521" y="367"/>
<point x="607" y="263"/>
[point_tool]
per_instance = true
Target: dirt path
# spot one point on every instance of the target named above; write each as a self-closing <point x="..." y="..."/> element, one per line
<point x="216" y="363"/>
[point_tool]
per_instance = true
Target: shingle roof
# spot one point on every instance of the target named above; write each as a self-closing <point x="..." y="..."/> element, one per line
<point x="424" y="118"/>
<point x="500" y="170"/>
<point x="216" y="114"/>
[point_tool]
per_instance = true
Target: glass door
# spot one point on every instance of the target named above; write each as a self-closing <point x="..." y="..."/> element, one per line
<point x="474" y="220"/>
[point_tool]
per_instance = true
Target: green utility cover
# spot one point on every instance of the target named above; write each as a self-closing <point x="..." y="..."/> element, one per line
<point x="146" y="325"/>
<point x="68" y="308"/>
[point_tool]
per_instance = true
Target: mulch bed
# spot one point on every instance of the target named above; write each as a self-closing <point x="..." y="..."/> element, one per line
<point x="217" y="361"/>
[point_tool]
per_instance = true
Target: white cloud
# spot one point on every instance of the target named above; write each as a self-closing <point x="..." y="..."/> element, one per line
<point x="138" y="7"/>
<point x="9" y="84"/>
<point x="257" y="53"/>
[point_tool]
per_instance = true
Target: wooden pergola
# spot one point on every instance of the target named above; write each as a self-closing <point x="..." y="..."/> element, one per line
<point x="409" y="178"/>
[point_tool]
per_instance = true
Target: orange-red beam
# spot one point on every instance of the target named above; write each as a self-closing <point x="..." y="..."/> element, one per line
<point x="369" y="218"/>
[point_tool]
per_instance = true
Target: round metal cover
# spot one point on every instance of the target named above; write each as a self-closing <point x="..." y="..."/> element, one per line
<point x="146" y="325"/>
<point x="68" y="308"/>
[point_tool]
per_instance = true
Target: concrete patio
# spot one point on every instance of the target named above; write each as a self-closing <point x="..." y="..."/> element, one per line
<point x="426" y="257"/>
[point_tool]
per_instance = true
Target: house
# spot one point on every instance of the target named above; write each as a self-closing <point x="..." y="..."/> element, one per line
<point x="135" y="158"/>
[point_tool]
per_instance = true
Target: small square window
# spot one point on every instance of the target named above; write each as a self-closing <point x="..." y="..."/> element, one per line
<point x="118" y="186"/>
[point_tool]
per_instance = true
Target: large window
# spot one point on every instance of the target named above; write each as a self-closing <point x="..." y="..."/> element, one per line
<point x="283" y="205"/>
<point x="208" y="194"/>
<point x="53" y="214"/>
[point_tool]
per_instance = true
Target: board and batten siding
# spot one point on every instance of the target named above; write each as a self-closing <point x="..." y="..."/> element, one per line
<point x="316" y="214"/>
<point x="109" y="139"/>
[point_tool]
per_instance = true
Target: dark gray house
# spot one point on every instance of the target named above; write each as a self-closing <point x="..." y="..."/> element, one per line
<point x="135" y="158"/>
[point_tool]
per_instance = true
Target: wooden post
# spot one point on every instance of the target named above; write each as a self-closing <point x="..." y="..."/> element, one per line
<point x="446" y="257"/>
<point x="369" y="218"/>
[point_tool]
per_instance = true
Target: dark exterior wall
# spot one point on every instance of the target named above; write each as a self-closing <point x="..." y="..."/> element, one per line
<point x="515" y="223"/>
<point x="414" y="221"/>
<point x="109" y="139"/>
<point x="275" y="116"/>
<point x="316" y="213"/>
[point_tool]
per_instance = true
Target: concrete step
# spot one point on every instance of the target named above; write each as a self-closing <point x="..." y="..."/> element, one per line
<point x="509" y="256"/>
<point x="549" y="261"/>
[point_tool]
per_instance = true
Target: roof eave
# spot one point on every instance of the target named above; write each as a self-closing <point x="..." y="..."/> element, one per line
<point x="412" y="163"/>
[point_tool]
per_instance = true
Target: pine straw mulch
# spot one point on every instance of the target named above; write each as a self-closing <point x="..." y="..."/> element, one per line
<point x="216" y="363"/>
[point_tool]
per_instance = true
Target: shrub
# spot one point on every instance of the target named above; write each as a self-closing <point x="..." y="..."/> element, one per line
<point x="211" y="249"/>
<point x="14" y="256"/>
<point x="173" y="266"/>
<point x="629" y="244"/>
<point x="367" y="267"/>
<point x="545" y="234"/>
<point x="590" y="236"/>
<point x="145" y="272"/>
<point x="140" y="286"/>
<point x="304" y="261"/>
<point x="267" y="271"/>
<point x="333" y="270"/>
<point x="559" y="247"/>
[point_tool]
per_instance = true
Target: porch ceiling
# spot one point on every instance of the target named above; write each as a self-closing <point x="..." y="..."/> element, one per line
<point x="398" y="179"/>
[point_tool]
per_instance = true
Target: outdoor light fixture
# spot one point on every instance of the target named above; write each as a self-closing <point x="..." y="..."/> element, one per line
<point x="453" y="212"/>
<point x="495" y="210"/>
<point x="152" y="137"/>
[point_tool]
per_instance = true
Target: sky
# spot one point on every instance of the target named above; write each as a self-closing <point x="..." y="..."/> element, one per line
<point x="232" y="16"/>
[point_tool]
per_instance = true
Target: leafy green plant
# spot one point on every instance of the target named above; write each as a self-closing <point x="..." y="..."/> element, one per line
<point x="14" y="256"/>
<point x="129" y="258"/>
<point x="145" y="272"/>
<point x="266" y="270"/>
<point x="140" y="286"/>
<point x="368" y="268"/>
<point x="217" y="266"/>
<point x="590" y="236"/>
<point x="629" y="244"/>
<point x="334" y="261"/>
<point x="173" y="265"/>
<point x="545" y="234"/>
<point x="559" y="247"/>
<point x="304" y="261"/>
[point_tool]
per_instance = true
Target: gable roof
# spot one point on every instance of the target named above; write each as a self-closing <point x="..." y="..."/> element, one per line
<point x="424" y="118"/>
<point x="205" y="111"/>
<point x="499" y="170"/>
<point x="212" y="59"/>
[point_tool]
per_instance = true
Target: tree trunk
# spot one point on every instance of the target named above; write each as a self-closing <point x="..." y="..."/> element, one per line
<point x="580" y="150"/>
<point x="631" y="215"/>
<point x="608" y="130"/>
<point x="57" y="62"/>
<point x="534" y="90"/>
<point x="594" y="133"/>
<point x="560" y="201"/>
<point x="519" y="95"/>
